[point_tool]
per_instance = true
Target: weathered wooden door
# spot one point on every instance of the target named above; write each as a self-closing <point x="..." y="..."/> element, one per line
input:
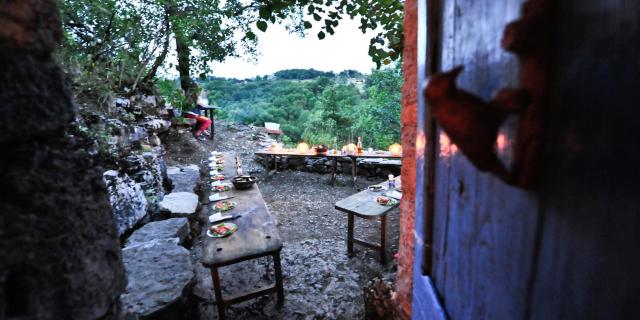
<point x="569" y="250"/>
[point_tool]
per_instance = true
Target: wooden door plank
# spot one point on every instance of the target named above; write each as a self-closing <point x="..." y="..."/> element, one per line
<point x="484" y="231"/>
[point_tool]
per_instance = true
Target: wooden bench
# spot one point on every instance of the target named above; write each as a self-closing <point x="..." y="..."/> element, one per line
<point x="257" y="236"/>
<point x="363" y="204"/>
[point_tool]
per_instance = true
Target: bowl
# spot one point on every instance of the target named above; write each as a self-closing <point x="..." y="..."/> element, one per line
<point x="243" y="182"/>
<point x="321" y="149"/>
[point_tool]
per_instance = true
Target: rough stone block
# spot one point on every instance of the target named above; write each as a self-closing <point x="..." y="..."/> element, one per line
<point x="128" y="202"/>
<point x="180" y="204"/>
<point x="184" y="178"/>
<point x="165" y="229"/>
<point x="160" y="274"/>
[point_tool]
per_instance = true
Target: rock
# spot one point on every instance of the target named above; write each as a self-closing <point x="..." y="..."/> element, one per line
<point x="154" y="140"/>
<point x="180" y="204"/>
<point x="149" y="170"/>
<point x="150" y="100"/>
<point x="122" y="103"/>
<point x="184" y="178"/>
<point x="165" y="229"/>
<point x="128" y="202"/>
<point x="160" y="274"/>
<point x="156" y="125"/>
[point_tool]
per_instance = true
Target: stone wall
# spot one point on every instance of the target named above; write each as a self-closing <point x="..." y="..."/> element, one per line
<point x="58" y="240"/>
<point x="404" y="279"/>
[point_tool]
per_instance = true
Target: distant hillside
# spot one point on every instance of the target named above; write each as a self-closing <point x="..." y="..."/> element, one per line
<point x="316" y="106"/>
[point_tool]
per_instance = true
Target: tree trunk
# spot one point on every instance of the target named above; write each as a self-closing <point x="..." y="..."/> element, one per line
<point x="189" y="86"/>
<point x="165" y="49"/>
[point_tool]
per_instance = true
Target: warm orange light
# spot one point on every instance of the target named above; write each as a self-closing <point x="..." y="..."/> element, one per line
<point x="502" y="141"/>
<point x="447" y="148"/>
<point x="350" y="148"/>
<point x="302" y="147"/>
<point x="395" y="149"/>
<point x="276" y="146"/>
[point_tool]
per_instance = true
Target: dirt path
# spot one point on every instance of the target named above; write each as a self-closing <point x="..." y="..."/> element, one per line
<point x="320" y="281"/>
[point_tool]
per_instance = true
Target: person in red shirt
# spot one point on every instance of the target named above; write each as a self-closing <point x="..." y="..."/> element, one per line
<point x="202" y="122"/>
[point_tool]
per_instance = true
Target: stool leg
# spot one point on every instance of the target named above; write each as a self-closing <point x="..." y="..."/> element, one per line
<point x="218" y="291"/>
<point x="350" y="235"/>
<point x="334" y="168"/>
<point x="383" y="239"/>
<point x="354" y="170"/>
<point x="213" y="126"/>
<point x="278" y="271"/>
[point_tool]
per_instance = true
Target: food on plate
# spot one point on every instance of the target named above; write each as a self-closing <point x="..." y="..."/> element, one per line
<point x="222" y="229"/>
<point x="382" y="200"/>
<point x="386" y="201"/>
<point x="224" y="205"/>
<point x="221" y="188"/>
<point x="218" y="177"/>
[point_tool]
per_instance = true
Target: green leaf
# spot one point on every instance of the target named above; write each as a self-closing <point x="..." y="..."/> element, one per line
<point x="330" y="30"/>
<point x="264" y="12"/>
<point x="317" y="17"/>
<point x="307" y="25"/>
<point x="261" y="25"/>
<point x="321" y="35"/>
<point x="250" y="35"/>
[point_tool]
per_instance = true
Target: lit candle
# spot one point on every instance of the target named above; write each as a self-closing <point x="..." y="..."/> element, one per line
<point x="302" y="147"/>
<point x="350" y="148"/>
<point x="395" y="149"/>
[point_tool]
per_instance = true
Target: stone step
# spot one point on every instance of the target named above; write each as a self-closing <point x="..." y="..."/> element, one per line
<point x="160" y="275"/>
<point x="175" y="228"/>
<point x="184" y="178"/>
<point x="180" y="204"/>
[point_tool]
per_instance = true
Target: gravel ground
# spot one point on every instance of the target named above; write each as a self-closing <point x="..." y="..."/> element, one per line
<point x="320" y="281"/>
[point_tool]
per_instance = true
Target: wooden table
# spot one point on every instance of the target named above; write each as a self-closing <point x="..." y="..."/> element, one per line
<point x="334" y="157"/>
<point x="363" y="205"/>
<point x="257" y="236"/>
<point x="209" y="113"/>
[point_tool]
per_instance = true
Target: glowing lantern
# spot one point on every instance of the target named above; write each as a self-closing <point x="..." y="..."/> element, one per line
<point x="395" y="149"/>
<point x="276" y="146"/>
<point x="350" y="148"/>
<point x="302" y="147"/>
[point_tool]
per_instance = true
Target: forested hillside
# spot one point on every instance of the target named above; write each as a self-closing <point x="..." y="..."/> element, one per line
<point x="316" y="106"/>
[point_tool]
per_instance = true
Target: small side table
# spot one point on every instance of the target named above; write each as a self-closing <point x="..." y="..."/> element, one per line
<point x="363" y="205"/>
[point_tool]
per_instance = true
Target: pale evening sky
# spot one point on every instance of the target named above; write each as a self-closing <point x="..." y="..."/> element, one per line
<point x="279" y="49"/>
